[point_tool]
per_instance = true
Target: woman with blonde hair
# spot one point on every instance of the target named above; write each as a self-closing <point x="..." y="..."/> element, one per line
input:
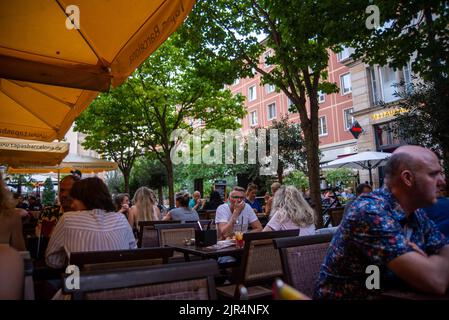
<point x="291" y="211"/>
<point x="144" y="208"/>
<point x="10" y="220"/>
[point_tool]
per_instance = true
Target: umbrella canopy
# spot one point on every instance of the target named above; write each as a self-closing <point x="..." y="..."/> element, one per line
<point x="367" y="160"/>
<point x="50" y="72"/>
<point x="72" y="162"/>
<point x="108" y="40"/>
<point x="17" y="152"/>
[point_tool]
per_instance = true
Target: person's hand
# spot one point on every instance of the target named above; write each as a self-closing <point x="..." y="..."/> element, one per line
<point x="416" y="248"/>
<point x="255" y="210"/>
<point x="239" y="206"/>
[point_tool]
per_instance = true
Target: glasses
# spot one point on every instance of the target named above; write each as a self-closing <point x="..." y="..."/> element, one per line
<point x="237" y="197"/>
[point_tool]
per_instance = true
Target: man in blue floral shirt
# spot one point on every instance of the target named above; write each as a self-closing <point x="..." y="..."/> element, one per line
<point x="387" y="229"/>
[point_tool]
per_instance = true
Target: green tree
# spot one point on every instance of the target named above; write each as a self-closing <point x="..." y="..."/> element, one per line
<point x="48" y="196"/>
<point x="298" y="179"/>
<point x="172" y="91"/>
<point x="291" y="148"/>
<point x="342" y="177"/>
<point x="425" y="119"/>
<point x="112" y="130"/>
<point x="299" y="34"/>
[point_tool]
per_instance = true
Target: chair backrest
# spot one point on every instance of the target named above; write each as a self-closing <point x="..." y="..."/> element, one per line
<point x="336" y="215"/>
<point x="302" y="258"/>
<point x="147" y="236"/>
<point x="180" y="281"/>
<point x="100" y="260"/>
<point x="175" y="233"/>
<point x="204" y="223"/>
<point x="207" y="214"/>
<point x="261" y="262"/>
<point x="28" y="286"/>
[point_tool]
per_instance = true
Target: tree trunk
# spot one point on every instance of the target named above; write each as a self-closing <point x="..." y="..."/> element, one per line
<point x="126" y="174"/>
<point x="160" y="193"/>
<point x="280" y="172"/>
<point x="170" y="179"/>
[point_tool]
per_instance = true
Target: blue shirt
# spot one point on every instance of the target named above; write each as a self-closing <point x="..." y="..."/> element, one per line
<point x="254" y="205"/>
<point x="439" y="213"/>
<point x="374" y="231"/>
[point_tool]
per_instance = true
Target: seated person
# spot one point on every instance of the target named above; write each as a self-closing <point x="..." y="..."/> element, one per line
<point x="92" y="226"/>
<point x="144" y="208"/>
<point x="11" y="274"/>
<point x="291" y="211"/>
<point x="439" y="212"/>
<point x="121" y="202"/>
<point x="250" y="199"/>
<point x="386" y="228"/>
<point x="10" y="220"/>
<point x="235" y="215"/>
<point x="361" y="189"/>
<point x="269" y="200"/>
<point x="182" y="212"/>
<point x="196" y="203"/>
<point x="19" y="202"/>
<point x="214" y="202"/>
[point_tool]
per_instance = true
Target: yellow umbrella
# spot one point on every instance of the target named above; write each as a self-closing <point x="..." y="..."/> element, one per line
<point x="50" y="70"/>
<point x="39" y="44"/>
<point x="72" y="162"/>
<point x="18" y="152"/>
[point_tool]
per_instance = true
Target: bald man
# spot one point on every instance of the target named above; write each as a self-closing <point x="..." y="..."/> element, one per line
<point x="388" y="230"/>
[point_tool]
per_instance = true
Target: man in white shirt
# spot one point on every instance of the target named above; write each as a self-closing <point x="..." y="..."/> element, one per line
<point x="236" y="216"/>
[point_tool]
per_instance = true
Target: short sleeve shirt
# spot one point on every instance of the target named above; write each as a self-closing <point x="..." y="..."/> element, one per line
<point x="246" y="217"/>
<point x="374" y="231"/>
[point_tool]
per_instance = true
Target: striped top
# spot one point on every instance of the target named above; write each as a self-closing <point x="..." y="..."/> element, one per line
<point x="93" y="230"/>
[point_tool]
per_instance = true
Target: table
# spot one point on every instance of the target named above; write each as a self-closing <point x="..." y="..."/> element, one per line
<point x="208" y="253"/>
<point x="411" y="295"/>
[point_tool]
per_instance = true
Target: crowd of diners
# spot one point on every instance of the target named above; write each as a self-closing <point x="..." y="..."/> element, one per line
<point x="402" y="228"/>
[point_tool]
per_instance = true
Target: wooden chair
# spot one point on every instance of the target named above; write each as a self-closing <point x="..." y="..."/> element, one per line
<point x="207" y="214"/>
<point x="336" y="215"/>
<point x="147" y="235"/>
<point x="260" y="265"/>
<point x="100" y="260"/>
<point x="302" y="258"/>
<point x="175" y="234"/>
<point x="181" y="281"/>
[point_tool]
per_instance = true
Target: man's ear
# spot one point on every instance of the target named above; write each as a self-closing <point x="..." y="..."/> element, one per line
<point x="407" y="178"/>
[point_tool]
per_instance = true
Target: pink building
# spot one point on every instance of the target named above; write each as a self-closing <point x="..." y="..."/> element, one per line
<point x="264" y="105"/>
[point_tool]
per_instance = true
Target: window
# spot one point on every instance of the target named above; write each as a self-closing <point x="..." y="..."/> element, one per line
<point x="386" y="82"/>
<point x="271" y="111"/>
<point x="348" y="118"/>
<point x="321" y="97"/>
<point x="345" y="83"/>
<point x="344" y="54"/>
<point x="252" y="93"/>
<point x="253" y="118"/>
<point x="265" y="56"/>
<point x="290" y="106"/>
<point x="322" y="126"/>
<point x="269" y="88"/>
<point x="236" y="82"/>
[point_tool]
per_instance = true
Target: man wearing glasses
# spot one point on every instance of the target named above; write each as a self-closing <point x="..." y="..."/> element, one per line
<point x="236" y="216"/>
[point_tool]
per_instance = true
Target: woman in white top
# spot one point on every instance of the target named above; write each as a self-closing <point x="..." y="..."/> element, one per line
<point x="144" y="208"/>
<point x="291" y="211"/>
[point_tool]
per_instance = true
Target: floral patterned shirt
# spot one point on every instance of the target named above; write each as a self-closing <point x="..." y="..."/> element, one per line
<point x="374" y="231"/>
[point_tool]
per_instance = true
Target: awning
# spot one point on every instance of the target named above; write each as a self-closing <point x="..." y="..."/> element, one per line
<point x="17" y="152"/>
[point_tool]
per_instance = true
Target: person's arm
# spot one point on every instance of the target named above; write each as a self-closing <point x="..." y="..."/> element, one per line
<point x="268" y="206"/>
<point x="55" y="255"/>
<point x="226" y="229"/>
<point x="167" y="217"/>
<point x="267" y="228"/>
<point x="17" y="241"/>
<point x="428" y="274"/>
<point x="256" y="226"/>
<point x="156" y="213"/>
<point x="131" y="216"/>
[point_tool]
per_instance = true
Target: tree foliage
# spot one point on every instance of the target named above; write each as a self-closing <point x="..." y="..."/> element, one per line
<point x="299" y="33"/>
<point x="341" y="177"/>
<point x="298" y="179"/>
<point x="48" y="196"/>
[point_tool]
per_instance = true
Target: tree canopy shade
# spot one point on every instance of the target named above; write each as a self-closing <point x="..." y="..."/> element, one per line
<point x="112" y="130"/>
<point x="298" y="33"/>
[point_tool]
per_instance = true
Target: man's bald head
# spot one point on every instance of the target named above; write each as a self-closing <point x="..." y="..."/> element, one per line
<point x="407" y="157"/>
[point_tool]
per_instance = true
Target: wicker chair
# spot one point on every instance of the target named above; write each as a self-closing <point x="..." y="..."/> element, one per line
<point x="100" y="260"/>
<point x="147" y="235"/>
<point x="175" y="234"/>
<point x="181" y="281"/>
<point x="260" y="265"/>
<point x="204" y="223"/>
<point x="301" y="259"/>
